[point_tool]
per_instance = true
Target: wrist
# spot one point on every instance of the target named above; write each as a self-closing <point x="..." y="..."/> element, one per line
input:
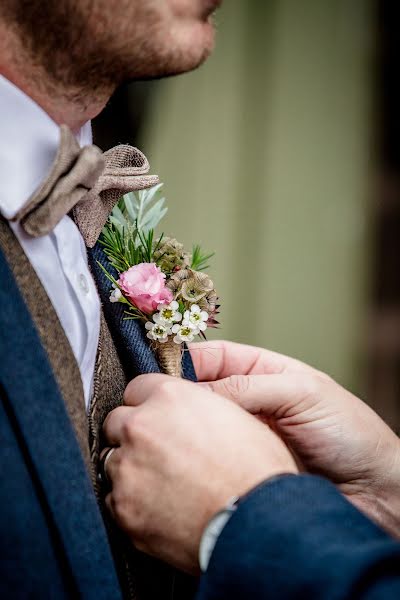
<point x="382" y="501"/>
<point x="219" y="520"/>
<point x="389" y="495"/>
<point x="212" y="532"/>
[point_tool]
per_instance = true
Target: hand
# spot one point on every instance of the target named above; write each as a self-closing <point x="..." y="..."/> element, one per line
<point x="182" y="453"/>
<point x="330" y="431"/>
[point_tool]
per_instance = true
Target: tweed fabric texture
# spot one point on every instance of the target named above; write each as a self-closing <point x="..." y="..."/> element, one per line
<point x="54" y="340"/>
<point x="125" y="171"/>
<point x="87" y="182"/>
<point x="108" y="389"/>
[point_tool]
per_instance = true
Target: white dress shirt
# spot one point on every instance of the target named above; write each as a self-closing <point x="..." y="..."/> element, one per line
<point x="28" y="145"/>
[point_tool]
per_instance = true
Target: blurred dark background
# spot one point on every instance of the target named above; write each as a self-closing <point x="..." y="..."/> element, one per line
<point x="383" y="369"/>
<point x="121" y="120"/>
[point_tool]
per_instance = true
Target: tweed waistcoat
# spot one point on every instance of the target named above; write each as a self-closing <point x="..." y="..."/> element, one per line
<point x="141" y="577"/>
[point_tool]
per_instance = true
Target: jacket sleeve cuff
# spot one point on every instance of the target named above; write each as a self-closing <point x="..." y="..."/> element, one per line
<point x="293" y="533"/>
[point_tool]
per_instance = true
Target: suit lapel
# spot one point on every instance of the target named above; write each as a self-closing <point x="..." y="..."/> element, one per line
<point x="129" y="335"/>
<point x="40" y="415"/>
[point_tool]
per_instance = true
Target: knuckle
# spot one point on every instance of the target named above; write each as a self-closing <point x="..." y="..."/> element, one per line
<point x="138" y="428"/>
<point x="110" y="417"/>
<point x="167" y="390"/>
<point x="118" y="508"/>
<point x="121" y="505"/>
<point x="106" y="422"/>
<point x="112" y="505"/>
<point x="235" y="386"/>
<point x="132" y="387"/>
<point x="128" y="516"/>
<point x="128" y="429"/>
<point x="325" y="379"/>
<point x="127" y="393"/>
<point x="118" y="467"/>
<point x="126" y="469"/>
<point x="312" y="386"/>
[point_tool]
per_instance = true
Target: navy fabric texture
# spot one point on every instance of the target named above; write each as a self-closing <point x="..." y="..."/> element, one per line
<point x="128" y="335"/>
<point x="297" y="538"/>
<point x="137" y="358"/>
<point x="53" y="541"/>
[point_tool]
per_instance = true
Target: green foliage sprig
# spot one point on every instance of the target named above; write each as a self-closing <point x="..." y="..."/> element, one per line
<point x="128" y="237"/>
<point x="139" y="211"/>
<point x="200" y="260"/>
<point x="121" y="249"/>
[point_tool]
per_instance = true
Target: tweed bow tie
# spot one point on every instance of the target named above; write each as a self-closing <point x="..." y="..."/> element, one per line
<point x="86" y="182"/>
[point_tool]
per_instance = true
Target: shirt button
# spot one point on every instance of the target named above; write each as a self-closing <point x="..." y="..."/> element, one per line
<point x="83" y="283"/>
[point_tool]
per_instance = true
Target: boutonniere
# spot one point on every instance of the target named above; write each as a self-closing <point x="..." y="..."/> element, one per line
<point x="161" y="284"/>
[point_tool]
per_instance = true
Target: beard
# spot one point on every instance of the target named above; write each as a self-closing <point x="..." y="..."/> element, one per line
<point x="93" y="45"/>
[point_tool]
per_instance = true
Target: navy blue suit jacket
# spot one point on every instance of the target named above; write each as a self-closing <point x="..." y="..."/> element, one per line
<point x="53" y="542"/>
<point x="297" y="538"/>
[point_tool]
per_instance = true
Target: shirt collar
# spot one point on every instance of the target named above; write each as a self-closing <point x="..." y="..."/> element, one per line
<point x="29" y="140"/>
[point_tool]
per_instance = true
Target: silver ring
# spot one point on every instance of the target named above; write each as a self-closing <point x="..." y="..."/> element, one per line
<point x="103" y="476"/>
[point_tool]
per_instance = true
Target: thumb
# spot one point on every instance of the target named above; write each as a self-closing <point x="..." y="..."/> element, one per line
<point x="272" y="395"/>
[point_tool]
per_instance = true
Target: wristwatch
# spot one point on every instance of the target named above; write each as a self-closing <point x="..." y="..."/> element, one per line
<point x="213" y="531"/>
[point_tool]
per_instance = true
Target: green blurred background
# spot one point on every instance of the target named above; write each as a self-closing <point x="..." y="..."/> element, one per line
<point x="263" y="152"/>
<point x="268" y="157"/>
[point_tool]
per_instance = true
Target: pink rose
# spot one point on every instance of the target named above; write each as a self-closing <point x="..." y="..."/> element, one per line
<point x="144" y="286"/>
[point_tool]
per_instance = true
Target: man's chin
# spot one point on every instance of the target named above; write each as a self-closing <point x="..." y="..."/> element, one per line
<point x="173" y="68"/>
<point x="195" y="50"/>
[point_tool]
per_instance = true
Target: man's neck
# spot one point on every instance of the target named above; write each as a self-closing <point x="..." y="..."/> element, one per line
<point x="72" y="107"/>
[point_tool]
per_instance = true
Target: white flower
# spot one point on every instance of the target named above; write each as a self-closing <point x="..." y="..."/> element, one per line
<point x="158" y="332"/>
<point x="115" y="295"/>
<point x="184" y="332"/>
<point x="196" y="317"/>
<point x="168" y="314"/>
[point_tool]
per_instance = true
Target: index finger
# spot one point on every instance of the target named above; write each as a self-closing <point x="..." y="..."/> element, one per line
<point x="142" y="387"/>
<point x="220" y="359"/>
